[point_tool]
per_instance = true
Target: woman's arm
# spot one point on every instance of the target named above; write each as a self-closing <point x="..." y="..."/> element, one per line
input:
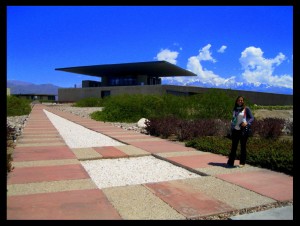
<point x="249" y="116"/>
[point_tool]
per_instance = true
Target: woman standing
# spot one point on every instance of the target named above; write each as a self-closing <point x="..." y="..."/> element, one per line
<point x="242" y="116"/>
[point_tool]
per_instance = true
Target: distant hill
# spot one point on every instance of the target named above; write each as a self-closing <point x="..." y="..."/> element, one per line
<point x="20" y="87"/>
<point x="245" y="86"/>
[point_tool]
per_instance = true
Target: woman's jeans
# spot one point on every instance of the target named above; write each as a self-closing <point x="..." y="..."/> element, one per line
<point x="236" y="138"/>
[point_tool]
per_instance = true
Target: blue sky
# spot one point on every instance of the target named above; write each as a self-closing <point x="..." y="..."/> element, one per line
<point x="235" y="47"/>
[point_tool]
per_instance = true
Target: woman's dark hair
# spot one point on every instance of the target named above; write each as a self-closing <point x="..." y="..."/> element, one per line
<point x="236" y="105"/>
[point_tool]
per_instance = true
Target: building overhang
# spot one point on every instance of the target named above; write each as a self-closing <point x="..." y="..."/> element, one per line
<point x="152" y="68"/>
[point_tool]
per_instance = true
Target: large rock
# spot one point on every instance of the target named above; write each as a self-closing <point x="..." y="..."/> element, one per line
<point x="142" y="123"/>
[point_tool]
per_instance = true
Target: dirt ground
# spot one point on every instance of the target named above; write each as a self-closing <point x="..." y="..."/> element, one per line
<point x="284" y="114"/>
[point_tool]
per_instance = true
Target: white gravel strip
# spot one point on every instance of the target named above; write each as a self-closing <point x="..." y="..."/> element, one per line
<point x="130" y="171"/>
<point x="77" y="136"/>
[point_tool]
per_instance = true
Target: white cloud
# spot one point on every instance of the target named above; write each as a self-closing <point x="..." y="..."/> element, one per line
<point x="205" y="54"/>
<point x="259" y="70"/>
<point x="167" y="55"/>
<point x="222" y="49"/>
<point x="203" y="75"/>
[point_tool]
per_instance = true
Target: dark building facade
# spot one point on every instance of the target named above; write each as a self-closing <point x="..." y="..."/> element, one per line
<point x="89" y="83"/>
<point x="40" y="97"/>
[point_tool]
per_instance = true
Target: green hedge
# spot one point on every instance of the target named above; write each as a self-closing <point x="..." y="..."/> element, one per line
<point x="131" y="107"/>
<point x="17" y="106"/>
<point x="90" y="102"/>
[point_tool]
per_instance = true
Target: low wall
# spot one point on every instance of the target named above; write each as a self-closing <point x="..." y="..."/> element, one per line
<point x="259" y="98"/>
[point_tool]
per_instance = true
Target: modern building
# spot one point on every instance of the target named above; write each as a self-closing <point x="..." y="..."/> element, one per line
<point x="129" y="74"/>
<point x="145" y="78"/>
<point x="120" y="78"/>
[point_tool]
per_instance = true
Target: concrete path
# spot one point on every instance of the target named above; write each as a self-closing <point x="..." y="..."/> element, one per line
<point x="49" y="182"/>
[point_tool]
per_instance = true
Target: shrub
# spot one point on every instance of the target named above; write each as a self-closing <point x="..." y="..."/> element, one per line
<point x="274" y="107"/>
<point x="17" y="106"/>
<point x="183" y="129"/>
<point x="276" y="155"/>
<point x="271" y="127"/>
<point x="216" y="104"/>
<point x="122" y="108"/>
<point x="130" y="108"/>
<point x="90" y="102"/>
<point x="163" y="127"/>
<point x="176" y="106"/>
<point x="216" y="145"/>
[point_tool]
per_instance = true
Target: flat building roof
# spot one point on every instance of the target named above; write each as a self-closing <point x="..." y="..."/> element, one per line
<point x="152" y="68"/>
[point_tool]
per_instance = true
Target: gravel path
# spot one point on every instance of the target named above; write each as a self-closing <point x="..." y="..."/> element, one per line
<point x="136" y="170"/>
<point x="77" y="136"/>
<point x="86" y="111"/>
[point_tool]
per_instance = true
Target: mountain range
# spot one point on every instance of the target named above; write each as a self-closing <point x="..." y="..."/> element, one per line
<point x="20" y="87"/>
<point x="245" y="86"/>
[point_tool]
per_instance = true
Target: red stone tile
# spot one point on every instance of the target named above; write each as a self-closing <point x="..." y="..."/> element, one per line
<point x="272" y="184"/>
<point x="41" y="140"/>
<point x="46" y="130"/>
<point x="130" y="137"/>
<point x="40" y="136"/>
<point x="39" y="126"/>
<point x="42" y="153"/>
<point x="199" y="161"/>
<point x="186" y="200"/>
<point x="110" y="151"/>
<point x="23" y="175"/>
<point x="159" y="146"/>
<point x="108" y="130"/>
<point x="89" y="204"/>
<point x="39" y="132"/>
